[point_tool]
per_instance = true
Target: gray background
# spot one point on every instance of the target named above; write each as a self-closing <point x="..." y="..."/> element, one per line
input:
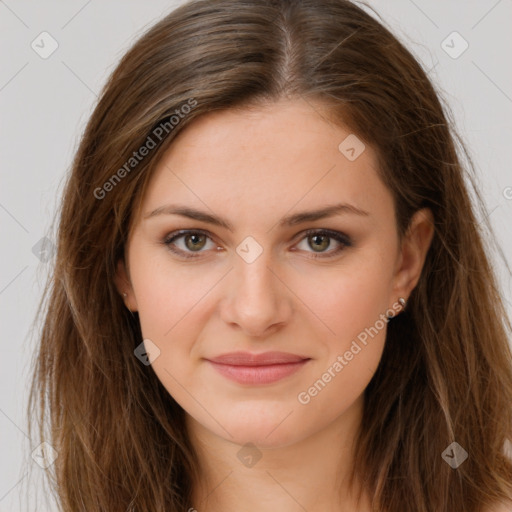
<point x="45" y="103"/>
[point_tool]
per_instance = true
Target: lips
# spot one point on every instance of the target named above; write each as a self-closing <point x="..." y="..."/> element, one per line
<point x="264" y="368"/>
<point x="248" y="359"/>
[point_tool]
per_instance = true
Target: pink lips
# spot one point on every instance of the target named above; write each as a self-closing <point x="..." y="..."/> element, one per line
<point x="265" y="368"/>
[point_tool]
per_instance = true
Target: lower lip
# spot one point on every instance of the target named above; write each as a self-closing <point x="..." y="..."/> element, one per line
<point x="258" y="374"/>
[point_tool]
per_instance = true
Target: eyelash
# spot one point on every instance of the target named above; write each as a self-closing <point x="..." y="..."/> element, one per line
<point x="344" y="240"/>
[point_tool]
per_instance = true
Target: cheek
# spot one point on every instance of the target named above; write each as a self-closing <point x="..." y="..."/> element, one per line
<point x="351" y="304"/>
<point x="168" y="302"/>
<point x="174" y="303"/>
<point x="166" y="294"/>
<point x="347" y="300"/>
<point x="350" y="358"/>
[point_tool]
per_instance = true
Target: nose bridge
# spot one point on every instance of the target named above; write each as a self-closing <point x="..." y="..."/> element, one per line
<point x="257" y="300"/>
<point x="254" y="279"/>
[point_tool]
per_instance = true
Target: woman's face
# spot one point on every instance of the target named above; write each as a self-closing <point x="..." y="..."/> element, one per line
<point x="248" y="280"/>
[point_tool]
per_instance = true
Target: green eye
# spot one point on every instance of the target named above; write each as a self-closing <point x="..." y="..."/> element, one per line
<point x="321" y="239"/>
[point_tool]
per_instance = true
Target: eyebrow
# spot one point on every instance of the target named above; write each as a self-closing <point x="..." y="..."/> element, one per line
<point x="291" y="220"/>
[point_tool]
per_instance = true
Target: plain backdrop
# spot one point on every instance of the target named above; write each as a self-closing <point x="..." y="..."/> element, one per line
<point x="45" y="103"/>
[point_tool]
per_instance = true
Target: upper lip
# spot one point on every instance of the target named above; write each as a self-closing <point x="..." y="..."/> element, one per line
<point x="263" y="359"/>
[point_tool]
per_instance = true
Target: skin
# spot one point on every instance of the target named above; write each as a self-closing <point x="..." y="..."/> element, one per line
<point x="251" y="168"/>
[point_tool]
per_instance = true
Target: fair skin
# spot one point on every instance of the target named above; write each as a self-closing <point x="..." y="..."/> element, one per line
<point x="252" y="168"/>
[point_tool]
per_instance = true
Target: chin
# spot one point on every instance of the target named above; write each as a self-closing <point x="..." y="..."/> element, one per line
<point x="248" y="435"/>
<point x="277" y="428"/>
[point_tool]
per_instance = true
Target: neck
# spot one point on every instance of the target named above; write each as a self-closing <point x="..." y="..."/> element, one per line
<point x="311" y="474"/>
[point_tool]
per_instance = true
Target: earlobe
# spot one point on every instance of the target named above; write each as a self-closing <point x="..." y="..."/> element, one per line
<point x="124" y="287"/>
<point x="415" y="246"/>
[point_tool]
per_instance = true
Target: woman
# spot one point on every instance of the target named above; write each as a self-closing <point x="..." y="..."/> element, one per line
<point x="271" y="289"/>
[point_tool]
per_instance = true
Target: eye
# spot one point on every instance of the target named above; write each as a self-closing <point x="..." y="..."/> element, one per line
<point x="193" y="241"/>
<point x="321" y="239"/>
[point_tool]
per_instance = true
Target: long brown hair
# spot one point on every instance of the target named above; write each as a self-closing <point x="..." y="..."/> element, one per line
<point x="446" y="371"/>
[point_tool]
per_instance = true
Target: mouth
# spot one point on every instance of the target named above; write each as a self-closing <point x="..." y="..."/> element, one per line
<point x="258" y="369"/>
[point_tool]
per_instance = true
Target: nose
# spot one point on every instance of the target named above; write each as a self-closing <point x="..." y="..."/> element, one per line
<point x="258" y="302"/>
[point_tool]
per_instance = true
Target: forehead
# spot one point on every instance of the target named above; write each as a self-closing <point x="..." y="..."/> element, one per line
<point x="267" y="159"/>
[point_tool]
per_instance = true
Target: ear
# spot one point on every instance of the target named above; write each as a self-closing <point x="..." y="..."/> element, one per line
<point x="124" y="286"/>
<point x="413" y="252"/>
